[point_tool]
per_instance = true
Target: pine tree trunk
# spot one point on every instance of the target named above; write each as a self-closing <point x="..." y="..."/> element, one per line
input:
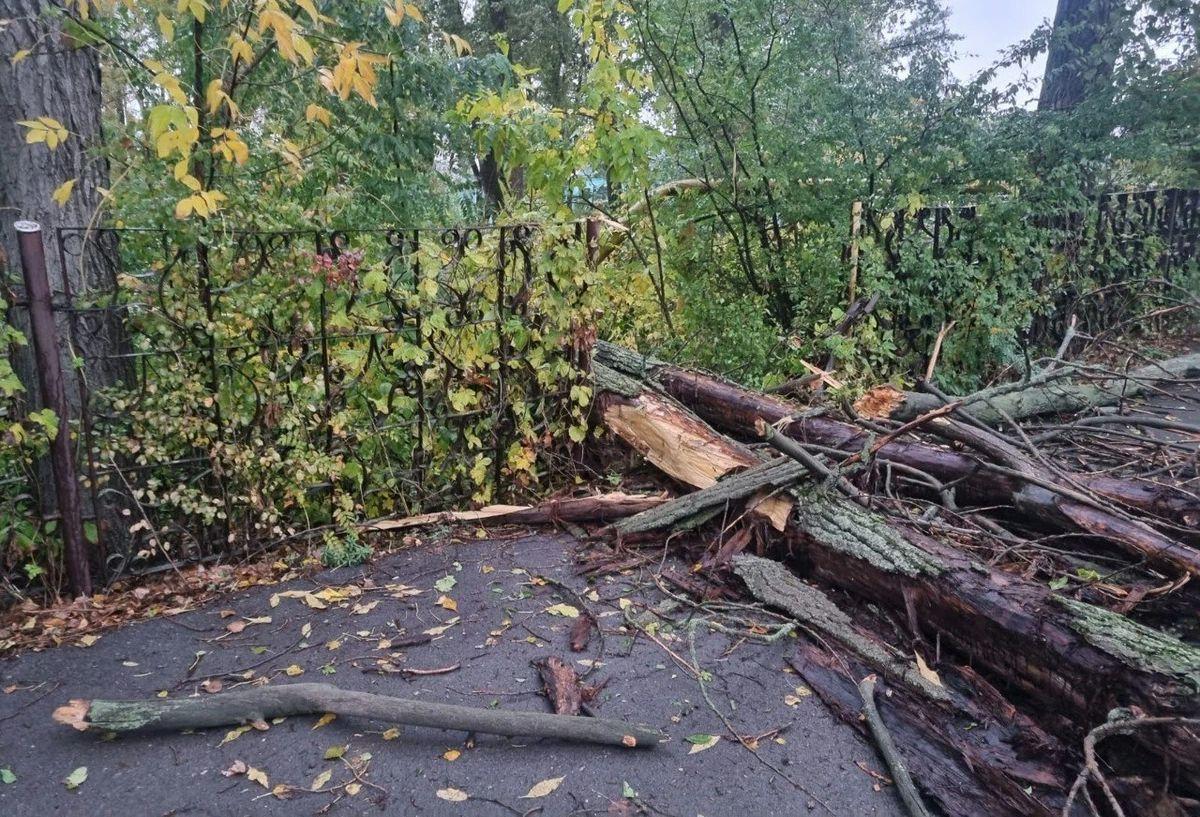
<point x="59" y="79"/>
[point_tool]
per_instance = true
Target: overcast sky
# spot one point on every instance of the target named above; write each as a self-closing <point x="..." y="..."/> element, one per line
<point x="989" y="26"/>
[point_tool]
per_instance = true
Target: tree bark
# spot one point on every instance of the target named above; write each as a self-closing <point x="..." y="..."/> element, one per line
<point x="60" y="79"/>
<point x="1077" y="62"/>
<point x="265" y="703"/>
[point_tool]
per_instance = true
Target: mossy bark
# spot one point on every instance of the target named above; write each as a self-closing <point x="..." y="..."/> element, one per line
<point x="264" y="703"/>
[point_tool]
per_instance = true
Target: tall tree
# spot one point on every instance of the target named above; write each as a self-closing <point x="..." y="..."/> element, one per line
<point x="1079" y="59"/>
<point x="53" y="172"/>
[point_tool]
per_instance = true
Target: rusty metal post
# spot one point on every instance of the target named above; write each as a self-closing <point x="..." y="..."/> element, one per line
<point x="54" y="397"/>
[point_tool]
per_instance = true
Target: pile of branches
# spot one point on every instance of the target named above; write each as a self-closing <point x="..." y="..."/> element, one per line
<point x="1013" y="566"/>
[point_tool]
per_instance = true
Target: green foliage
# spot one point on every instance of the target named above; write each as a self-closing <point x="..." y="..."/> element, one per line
<point x="284" y="386"/>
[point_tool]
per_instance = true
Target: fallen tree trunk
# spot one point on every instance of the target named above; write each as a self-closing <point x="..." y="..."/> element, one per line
<point x="263" y="703"/>
<point x="1072" y="658"/>
<point x="736" y="410"/>
<point x="983" y="771"/>
<point x="1052" y="393"/>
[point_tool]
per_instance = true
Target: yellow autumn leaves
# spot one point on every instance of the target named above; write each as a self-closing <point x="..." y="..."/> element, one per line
<point x="292" y="29"/>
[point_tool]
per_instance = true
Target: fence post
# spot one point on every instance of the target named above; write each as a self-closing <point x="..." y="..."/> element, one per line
<point x="54" y="397"/>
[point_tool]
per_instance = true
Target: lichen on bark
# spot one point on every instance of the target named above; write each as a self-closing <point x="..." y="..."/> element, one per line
<point x="1136" y="644"/>
<point x="845" y="527"/>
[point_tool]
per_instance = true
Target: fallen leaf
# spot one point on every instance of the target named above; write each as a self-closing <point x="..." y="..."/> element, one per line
<point x="325" y="720"/>
<point x="353" y="788"/>
<point x="234" y="734"/>
<point x="363" y="609"/>
<point x="436" y="631"/>
<point x="564" y="610"/>
<point x="236" y="768"/>
<point x="7" y="776"/>
<point x="321" y="779"/>
<point x="451" y="755"/>
<point x="701" y="742"/>
<point x="333" y="645"/>
<point x="282" y="791"/>
<point x="335" y="752"/>
<point x="258" y="776"/>
<point x="543" y="788"/>
<point x="76" y="778"/>
<point x="796" y="697"/>
<point x="235" y="626"/>
<point x="87" y="641"/>
<point x="445" y="584"/>
<point x="391" y="734"/>
<point x="212" y="685"/>
<point x="448" y="603"/>
<point x="306" y="630"/>
<point x="453" y="795"/>
<point x="294" y="670"/>
<point x="627" y="790"/>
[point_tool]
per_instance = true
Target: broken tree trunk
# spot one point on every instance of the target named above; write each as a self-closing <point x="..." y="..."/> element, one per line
<point x="1072" y="658"/>
<point x="1051" y="393"/>
<point x="263" y="703"/>
<point x="950" y="761"/>
<point x="735" y="409"/>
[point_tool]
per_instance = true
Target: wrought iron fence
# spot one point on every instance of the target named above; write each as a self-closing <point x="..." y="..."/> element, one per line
<point x="242" y="388"/>
<point x="1093" y="263"/>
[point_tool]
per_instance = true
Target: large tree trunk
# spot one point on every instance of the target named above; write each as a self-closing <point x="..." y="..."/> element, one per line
<point x="62" y="81"/>
<point x="1078" y="61"/>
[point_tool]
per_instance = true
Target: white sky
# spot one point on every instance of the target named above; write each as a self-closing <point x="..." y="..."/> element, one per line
<point x="989" y="26"/>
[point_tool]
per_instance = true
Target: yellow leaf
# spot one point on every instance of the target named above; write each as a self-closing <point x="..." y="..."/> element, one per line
<point x="394" y="13"/>
<point x="45" y="129"/>
<point x="315" y="113"/>
<point x="213" y="94"/>
<point x="353" y="788"/>
<point x="234" y="734"/>
<point x="707" y="742"/>
<point x="543" y="788"/>
<point x="414" y="12"/>
<point x="448" y="603"/>
<point x="258" y="776"/>
<point x="451" y="755"/>
<point x="325" y="720"/>
<point x="308" y="6"/>
<point x="294" y="670"/>
<point x="63" y="192"/>
<point x="453" y="795"/>
<point x="321" y="779"/>
<point x="391" y="734"/>
<point x="19" y="55"/>
<point x="565" y="610"/>
<point x="166" y="27"/>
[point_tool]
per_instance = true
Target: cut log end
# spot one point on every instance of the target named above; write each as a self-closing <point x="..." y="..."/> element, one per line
<point x="74" y="714"/>
<point x="879" y="402"/>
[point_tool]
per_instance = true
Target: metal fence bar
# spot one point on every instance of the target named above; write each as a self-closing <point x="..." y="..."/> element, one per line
<point x="54" y="397"/>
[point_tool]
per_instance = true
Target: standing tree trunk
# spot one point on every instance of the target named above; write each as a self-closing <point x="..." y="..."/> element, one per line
<point x="1078" y="60"/>
<point x="59" y="78"/>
